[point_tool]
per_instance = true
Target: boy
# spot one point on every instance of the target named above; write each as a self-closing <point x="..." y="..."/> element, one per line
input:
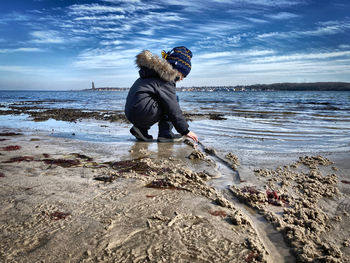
<point x="152" y="98"/>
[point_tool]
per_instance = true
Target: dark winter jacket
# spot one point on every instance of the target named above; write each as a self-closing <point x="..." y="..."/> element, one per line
<point x="153" y="94"/>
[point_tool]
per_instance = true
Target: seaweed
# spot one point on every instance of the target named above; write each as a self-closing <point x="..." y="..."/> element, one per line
<point x="10" y="133"/>
<point x="11" y="148"/>
<point x="106" y="179"/>
<point x="250" y="189"/>
<point x="345" y="182"/>
<point x="59" y="215"/>
<point x="82" y="156"/>
<point x="218" y="213"/>
<point x="2" y="174"/>
<point x="66" y="163"/>
<point x="46" y="155"/>
<point x="137" y="166"/>
<point x="216" y="116"/>
<point x="19" y="159"/>
<point x="1" y="140"/>
<point x="253" y="257"/>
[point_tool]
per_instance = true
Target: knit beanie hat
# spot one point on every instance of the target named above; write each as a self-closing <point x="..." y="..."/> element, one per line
<point x="180" y="59"/>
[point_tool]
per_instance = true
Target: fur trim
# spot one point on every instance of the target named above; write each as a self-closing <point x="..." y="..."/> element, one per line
<point x="159" y="65"/>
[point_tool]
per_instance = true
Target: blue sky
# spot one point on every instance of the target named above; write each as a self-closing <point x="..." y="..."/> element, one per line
<point x="64" y="44"/>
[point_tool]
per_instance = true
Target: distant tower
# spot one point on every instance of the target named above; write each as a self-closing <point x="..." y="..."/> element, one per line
<point x="93" y="85"/>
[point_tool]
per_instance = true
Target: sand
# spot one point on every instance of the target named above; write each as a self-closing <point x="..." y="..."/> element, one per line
<point x="71" y="201"/>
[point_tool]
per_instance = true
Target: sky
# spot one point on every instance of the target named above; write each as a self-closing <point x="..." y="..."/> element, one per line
<point x="65" y="45"/>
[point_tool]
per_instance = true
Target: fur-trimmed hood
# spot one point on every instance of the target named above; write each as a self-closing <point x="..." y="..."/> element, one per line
<point x="159" y="65"/>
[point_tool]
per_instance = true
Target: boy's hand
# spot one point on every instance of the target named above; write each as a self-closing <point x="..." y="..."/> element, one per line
<point x="193" y="136"/>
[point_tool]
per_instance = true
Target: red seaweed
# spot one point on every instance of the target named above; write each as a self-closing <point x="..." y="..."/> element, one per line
<point x="19" y="159"/>
<point x="11" y="148"/>
<point x="253" y="257"/>
<point x="345" y="182"/>
<point x="274" y="199"/>
<point x="59" y="215"/>
<point x="218" y="213"/>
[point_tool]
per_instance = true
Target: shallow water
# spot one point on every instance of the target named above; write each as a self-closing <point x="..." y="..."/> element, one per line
<point x="257" y="122"/>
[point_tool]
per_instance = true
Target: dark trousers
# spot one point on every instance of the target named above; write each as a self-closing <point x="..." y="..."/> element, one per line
<point x="165" y="125"/>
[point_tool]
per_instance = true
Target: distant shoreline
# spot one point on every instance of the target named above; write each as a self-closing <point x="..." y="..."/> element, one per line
<point x="314" y="86"/>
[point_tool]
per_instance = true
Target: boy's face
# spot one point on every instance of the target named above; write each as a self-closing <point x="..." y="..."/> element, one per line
<point x="181" y="76"/>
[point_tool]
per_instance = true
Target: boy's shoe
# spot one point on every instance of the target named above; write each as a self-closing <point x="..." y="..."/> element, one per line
<point x="141" y="134"/>
<point x="170" y="138"/>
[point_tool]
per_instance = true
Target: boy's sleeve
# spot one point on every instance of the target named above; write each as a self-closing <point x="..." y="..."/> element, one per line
<point x="171" y="107"/>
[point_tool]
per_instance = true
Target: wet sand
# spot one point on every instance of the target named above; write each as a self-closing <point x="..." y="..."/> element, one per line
<point x="65" y="200"/>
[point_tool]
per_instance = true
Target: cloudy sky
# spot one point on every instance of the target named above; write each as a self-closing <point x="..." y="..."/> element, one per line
<point x="64" y="44"/>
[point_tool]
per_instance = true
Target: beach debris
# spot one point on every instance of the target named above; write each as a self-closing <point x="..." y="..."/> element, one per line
<point x="1" y="140"/>
<point x="345" y="181"/>
<point x="11" y="148"/>
<point x="2" y="174"/>
<point x="19" y="159"/>
<point x="59" y="215"/>
<point x="150" y="196"/>
<point x="218" y="213"/>
<point x="46" y="155"/>
<point x="66" y="163"/>
<point x="10" y="133"/>
<point x="197" y="155"/>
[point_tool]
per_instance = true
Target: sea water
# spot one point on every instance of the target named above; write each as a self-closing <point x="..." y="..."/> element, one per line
<point x="259" y="122"/>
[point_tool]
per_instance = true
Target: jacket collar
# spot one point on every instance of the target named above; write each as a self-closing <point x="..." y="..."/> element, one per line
<point x="159" y="65"/>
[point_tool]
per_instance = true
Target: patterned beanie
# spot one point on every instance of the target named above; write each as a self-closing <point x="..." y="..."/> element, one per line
<point x="180" y="59"/>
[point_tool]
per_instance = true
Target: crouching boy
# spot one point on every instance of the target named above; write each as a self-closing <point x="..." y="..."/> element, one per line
<point x="152" y="98"/>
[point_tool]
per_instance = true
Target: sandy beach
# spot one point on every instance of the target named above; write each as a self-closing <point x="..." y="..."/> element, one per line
<point x="65" y="200"/>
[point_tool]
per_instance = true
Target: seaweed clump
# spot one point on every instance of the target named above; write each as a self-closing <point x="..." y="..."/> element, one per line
<point x="59" y="215"/>
<point x="19" y="159"/>
<point x="66" y="163"/>
<point x="11" y="148"/>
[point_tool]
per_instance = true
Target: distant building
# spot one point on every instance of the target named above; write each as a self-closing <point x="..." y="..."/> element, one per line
<point x="93" y="85"/>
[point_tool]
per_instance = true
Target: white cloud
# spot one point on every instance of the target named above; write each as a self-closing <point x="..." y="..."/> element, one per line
<point x="94" y="9"/>
<point x="114" y="42"/>
<point x="234" y="55"/>
<point x="319" y="31"/>
<point x="48" y="37"/>
<point x="282" y="16"/>
<point x="106" y="59"/>
<point x="24" y="49"/>
<point x="109" y="17"/>
<point x="303" y="57"/>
